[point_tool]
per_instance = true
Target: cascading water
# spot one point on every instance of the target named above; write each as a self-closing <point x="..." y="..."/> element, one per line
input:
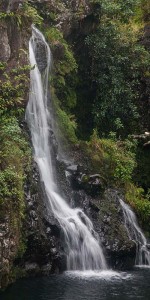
<point x="136" y="234"/>
<point x="83" y="248"/>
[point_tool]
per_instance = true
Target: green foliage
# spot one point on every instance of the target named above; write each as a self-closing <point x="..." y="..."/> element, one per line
<point x="15" y="152"/>
<point x="117" y="62"/>
<point x="111" y="64"/>
<point x="65" y="66"/>
<point x="63" y="82"/>
<point x="14" y="85"/>
<point x="44" y="9"/>
<point x="143" y="12"/>
<point x="114" y="159"/>
<point x="15" y="164"/>
<point x="65" y="125"/>
<point x="30" y="14"/>
<point x="6" y="16"/>
<point x="119" y="9"/>
<point x="24" y="16"/>
<point x="66" y="63"/>
<point x="15" y="159"/>
<point x="11" y="185"/>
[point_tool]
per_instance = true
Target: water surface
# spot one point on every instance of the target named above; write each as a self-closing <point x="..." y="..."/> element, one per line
<point x="82" y="286"/>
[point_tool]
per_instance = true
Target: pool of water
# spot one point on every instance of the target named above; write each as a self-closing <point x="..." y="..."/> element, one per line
<point x="106" y="285"/>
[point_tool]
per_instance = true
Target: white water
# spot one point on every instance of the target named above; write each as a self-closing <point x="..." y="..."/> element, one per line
<point x="136" y="234"/>
<point x="94" y="275"/>
<point x="83" y="248"/>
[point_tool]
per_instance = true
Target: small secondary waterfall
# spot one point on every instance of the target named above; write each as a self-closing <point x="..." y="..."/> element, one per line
<point x="136" y="234"/>
<point x="83" y="248"/>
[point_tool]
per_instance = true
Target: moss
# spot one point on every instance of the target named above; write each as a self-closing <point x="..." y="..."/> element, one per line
<point x="64" y="77"/>
<point x="65" y="125"/>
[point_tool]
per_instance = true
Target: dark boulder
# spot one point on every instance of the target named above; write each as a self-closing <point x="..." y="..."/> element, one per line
<point x="93" y="184"/>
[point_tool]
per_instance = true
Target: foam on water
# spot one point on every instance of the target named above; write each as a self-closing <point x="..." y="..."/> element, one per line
<point x="102" y="275"/>
<point x="142" y="266"/>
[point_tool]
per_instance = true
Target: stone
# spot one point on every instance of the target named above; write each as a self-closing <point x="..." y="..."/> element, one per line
<point x="46" y="269"/>
<point x="72" y="168"/>
<point x="48" y="230"/>
<point x="54" y="251"/>
<point x="32" y="268"/>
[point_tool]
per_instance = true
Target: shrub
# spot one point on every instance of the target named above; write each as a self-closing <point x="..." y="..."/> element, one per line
<point x="114" y="159"/>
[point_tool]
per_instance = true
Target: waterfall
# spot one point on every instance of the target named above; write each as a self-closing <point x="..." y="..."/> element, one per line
<point x="84" y="251"/>
<point x="136" y="234"/>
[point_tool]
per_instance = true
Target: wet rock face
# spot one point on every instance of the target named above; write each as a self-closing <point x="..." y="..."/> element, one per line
<point x="109" y="223"/>
<point x="8" y="248"/>
<point x="12" y="39"/>
<point x="40" y="53"/>
<point x="41" y="234"/>
<point x="44" y="253"/>
<point x="80" y="179"/>
<point x="103" y="207"/>
<point x="5" y="47"/>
